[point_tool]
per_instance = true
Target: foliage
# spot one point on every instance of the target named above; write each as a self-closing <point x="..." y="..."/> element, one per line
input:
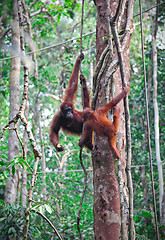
<point x="12" y="218"/>
<point x="63" y="185"/>
<point x="143" y="214"/>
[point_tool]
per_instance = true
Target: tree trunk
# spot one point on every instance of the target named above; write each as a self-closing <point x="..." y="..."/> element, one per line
<point x="24" y="171"/>
<point x="143" y="172"/>
<point x="107" y="221"/>
<point x="162" y="220"/>
<point x="43" y="161"/>
<point x="156" y="112"/>
<point x="11" y="185"/>
<point x="106" y="193"/>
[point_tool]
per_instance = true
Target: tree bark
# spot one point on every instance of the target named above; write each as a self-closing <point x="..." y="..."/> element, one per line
<point x="11" y="185"/>
<point x="106" y="193"/>
<point x="107" y="220"/>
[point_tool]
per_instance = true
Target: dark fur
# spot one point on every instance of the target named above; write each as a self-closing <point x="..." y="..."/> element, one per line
<point x="72" y="125"/>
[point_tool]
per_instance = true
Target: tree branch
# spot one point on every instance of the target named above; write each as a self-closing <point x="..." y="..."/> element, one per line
<point x="23" y="147"/>
<point x="33" y="3"/>
<point x="82" y="197"/>
<point x="100" y="73"/>
<point x="4" y="33"/>
<point x="42" y="10"/>
<point x="98" y="67"/>
<point x="50" y="223"/>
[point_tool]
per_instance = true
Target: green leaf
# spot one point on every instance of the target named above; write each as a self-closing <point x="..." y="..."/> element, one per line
<point x="48" y="208"/>
<point x="12" y="230"/>
<point x="13" y="170"/>
<point x="53" y="197"/>
<point x="22" y="165"/>
<point x="1" y="201"/>
<point x="36" y="206"/>
<point x="10" y="163"/>
<point x="41" y="209"/>
<point x="6" y="174"/>
<point x="16" y="159"/>
<point x="146" y="214"/>
<point x="24" y="162"/>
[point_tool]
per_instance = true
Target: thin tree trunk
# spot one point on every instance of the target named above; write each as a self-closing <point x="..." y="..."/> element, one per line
<point x="154" y="24"/>
<point x="143" y="172"/>
<point x="156" y="126"/>
<point x="13" y="144"/>
<point x="162" y="220"/>
<point x="18" y="185"/>
<point x="43" y="162"/>
<point x="24" y="171"/>
<point x="91" y="64"/>
<point x="27" y="128"/>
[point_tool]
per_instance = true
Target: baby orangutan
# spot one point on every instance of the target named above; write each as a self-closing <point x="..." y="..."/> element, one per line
<point x="98" y="122"/>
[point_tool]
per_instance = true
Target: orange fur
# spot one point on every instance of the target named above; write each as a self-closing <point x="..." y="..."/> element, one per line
<point x="98" y="122"/>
